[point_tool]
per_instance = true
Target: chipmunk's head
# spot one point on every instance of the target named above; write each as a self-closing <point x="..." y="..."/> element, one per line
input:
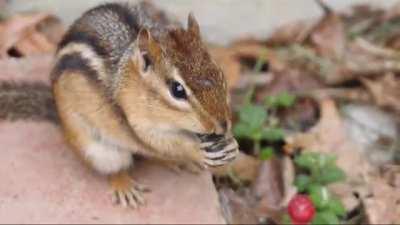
<point x="172" y="83"/>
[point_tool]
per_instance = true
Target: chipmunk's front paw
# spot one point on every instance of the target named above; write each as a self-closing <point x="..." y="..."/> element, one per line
<point x="127" y="192"/>
<point x="218" y="152"/>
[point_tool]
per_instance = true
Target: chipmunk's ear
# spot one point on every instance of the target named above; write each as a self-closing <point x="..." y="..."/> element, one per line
<point x="193" y="26"/>
<point x="148" y="45"/>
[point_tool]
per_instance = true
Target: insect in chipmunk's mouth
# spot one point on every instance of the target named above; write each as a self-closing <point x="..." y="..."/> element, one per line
<point x="218" y="149"/>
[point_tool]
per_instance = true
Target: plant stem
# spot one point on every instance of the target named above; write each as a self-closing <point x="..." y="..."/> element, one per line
<point x="257" y="146"/>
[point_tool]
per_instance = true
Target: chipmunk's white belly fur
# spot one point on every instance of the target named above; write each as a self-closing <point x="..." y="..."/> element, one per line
<point x="107" y="159"/>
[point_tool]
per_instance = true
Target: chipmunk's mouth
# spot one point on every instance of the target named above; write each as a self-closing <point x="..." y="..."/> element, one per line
<point x="218" y="149"/>
<point x="210" y="137"/>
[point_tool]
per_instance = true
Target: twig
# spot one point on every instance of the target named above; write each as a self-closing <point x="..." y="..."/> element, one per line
<point x="346" y="94"/>
<point x="376" y="50"/>
<point x="327" y="10"/>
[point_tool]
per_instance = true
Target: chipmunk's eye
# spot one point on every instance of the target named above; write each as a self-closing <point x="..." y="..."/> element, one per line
<point x="146" y="61"/>
<point x="177" y="90"/>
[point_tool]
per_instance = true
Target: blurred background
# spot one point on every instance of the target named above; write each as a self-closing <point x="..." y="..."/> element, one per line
<point x="221" y="20"/>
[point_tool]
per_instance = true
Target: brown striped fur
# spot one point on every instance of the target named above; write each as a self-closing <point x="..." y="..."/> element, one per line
<point x="32" y="101"/>
<point x="111" y="105"/>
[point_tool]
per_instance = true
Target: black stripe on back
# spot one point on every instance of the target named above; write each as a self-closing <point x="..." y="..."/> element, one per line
<point x="81" y="34"/>
<point x="73" y="62"/>
<point x="78" y="36"/>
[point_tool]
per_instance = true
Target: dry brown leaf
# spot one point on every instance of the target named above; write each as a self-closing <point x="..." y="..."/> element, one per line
<point x="21" y="34"/>
<point x="382" y="206"/>
<point x="292" y="33"/>
<point x="391" y="173"/>
<point x="328" y="36"/>
<point x="273" y="188"/>
<point x="237" y="209"/>
<point x="290" y="80"/>
<point x="363" y="59"/>
<point x="248" y="48"/>
<point x="385" y="91"/>
<point x="268" y="187"/>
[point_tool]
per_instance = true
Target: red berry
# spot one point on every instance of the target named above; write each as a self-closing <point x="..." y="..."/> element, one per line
<point x="301" y="209"/>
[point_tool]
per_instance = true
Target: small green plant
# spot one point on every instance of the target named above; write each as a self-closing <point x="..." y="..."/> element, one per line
<point x="317" y="171"/>
<point x="283" y="99"/>
<point x="259" y="123"/>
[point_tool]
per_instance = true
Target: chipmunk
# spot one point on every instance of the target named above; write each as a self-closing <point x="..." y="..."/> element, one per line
<point x="127" y="82"/>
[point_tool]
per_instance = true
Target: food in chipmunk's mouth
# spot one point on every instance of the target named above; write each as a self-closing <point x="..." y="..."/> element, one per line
<point x="218" y="149"/>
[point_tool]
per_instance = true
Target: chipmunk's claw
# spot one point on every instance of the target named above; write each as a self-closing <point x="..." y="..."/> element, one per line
<point x="127" y="192"/>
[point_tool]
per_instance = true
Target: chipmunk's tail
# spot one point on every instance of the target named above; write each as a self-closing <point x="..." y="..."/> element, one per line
<point x="27" y="101"/>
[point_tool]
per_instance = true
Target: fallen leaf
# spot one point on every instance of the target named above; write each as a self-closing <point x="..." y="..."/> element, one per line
<point x="296" y="32"/>
<point x="328" y="36"/>
<point x="20" y="35"/>
<point x="236" y="208"/>
<point x="290" y="80"/>
<point x="268" y="187"/>
<point x="301" y="116"/>
<point x="385" y="91"/>
<point x="382" y="206"/>
<point x="391" y="173"/>
<point x="362" y="59"/>
<point x="273" y="188"/>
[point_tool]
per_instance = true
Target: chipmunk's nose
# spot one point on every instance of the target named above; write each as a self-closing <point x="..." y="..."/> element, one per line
<point x="224" y="126"/>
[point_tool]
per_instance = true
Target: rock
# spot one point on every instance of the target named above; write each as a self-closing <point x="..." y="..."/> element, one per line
<point x="28" y="69"/>
<point x="374" y="130"/>
<point x="43" y="182"/>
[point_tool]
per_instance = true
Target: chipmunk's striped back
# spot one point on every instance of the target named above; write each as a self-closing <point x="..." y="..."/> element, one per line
<point x="97" y="41"/>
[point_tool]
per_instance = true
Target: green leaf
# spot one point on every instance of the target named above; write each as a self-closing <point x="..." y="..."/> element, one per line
<point x="331" y="174"/>
<point x="266" y="153"/>
<point x="325" y="160"/>
<point x="286" y="219"/>
<point x="307" y="160"/>
<point x="302" y="182"/>
<point x="325" y="217"/>
<point x="319" y="195"/>
<point x="336" y="206"/>
<point x="241" y="130"/>
<point x="254" y="116"/>
<point x="271" y="102"/>
<point x="272" y="134"/>
<point x="285" y="99"/>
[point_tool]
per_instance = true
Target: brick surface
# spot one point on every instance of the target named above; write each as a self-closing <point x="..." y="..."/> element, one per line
<point x="42" y="182"/>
